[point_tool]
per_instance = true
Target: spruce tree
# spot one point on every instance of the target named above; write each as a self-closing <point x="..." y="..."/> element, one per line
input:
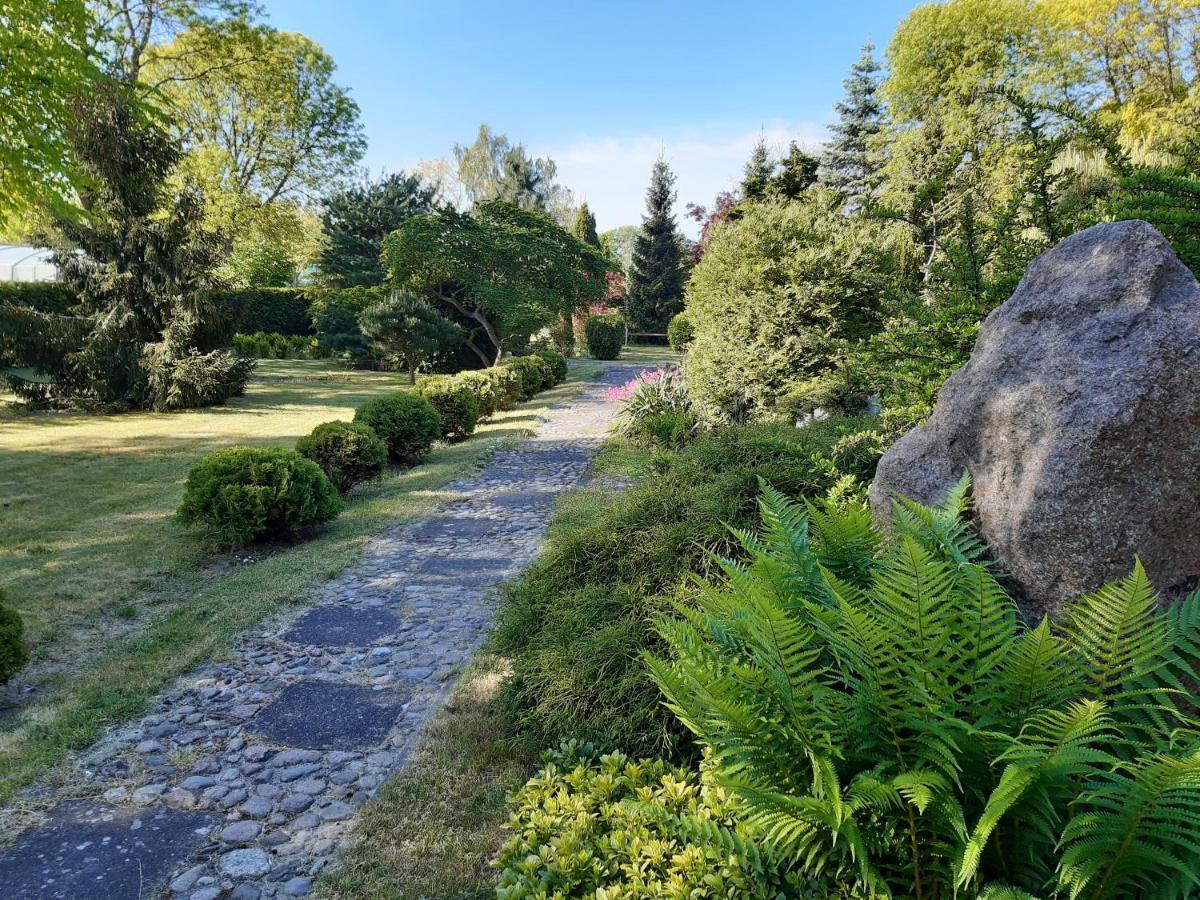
<point x="758" y="173"/>
<point x="851" y="163"/>
<point x="659" y="266"/>
<point x="584" y="227"/>
<point x="797" y="173"/>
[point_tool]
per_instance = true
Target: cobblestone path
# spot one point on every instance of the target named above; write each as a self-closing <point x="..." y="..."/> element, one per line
<point x="244" y="777"/>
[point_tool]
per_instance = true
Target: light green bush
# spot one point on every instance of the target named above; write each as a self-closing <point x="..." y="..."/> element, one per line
<point x="408" y="424"/>
<point x="244" y="494"/>
<point x="508" y="385"/>
<point x="557" y="363"/>
<point x="457" y="408"/>
<point x="483" y="388"/>
<point x="680" y="332"/>
<point x="347" y="452"/>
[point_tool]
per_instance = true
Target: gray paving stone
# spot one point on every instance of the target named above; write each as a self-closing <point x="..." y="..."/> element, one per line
<point x="100" y="852"/>
<point x="342" y="626"/>
<point x="455" y="528"/>
<point x="329" y="716"/>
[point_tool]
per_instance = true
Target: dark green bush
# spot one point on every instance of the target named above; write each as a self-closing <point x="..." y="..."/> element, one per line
<point x="575" y="621"/>
<point x="244" y="494"/>
<point x="44" y="296"/>
<point x="535" y="373"/>
<point x="193" y="379"/>
<point x="508" y="385"/>
<point x="408" y="424"/>
<point x="271" y="310"/>
<point x="557" y="363"/>
<point x="680" y="332"/>
<point x="261" y="345"/>
<point x="484" y="389"/>
<point x="605" y="335"/>
<point x="13" y="653"/>
<point x="455" y="403"/>
<point x="346" y="452"/>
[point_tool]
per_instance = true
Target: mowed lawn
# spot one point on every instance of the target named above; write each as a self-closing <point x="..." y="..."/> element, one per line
<point x="118" y="596"/>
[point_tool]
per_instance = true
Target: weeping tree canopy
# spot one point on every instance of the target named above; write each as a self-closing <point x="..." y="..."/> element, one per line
<point x="138" y="263"/>
<point x="504" y="272"/>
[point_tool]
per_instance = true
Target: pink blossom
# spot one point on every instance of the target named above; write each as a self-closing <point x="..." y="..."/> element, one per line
<point x="629" y="388"/>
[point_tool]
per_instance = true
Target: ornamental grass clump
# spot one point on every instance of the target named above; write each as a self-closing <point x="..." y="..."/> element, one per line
<point x="887" y="720"/>
<point x="656" y="407"/>
<point x="240" y="495"/>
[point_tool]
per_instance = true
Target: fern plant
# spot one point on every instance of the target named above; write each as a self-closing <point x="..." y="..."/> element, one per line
<point x="883" y="715"/>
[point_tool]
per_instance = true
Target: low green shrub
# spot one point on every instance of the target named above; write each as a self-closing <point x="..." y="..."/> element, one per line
<point x="13" y="653"/>
<point x="193" y="379"/>
<point x="483" y="388"/>
<point x="347" y="452"/>
<point x="535" y="374"/>
<point x="575" y="620"/>
<point x="680" y="332"/>
<point x="508" y="385"/>
<point x="408" y="424"/>
<point x="660" y="394"/>
<point x="557" y="363"/>
<point x="455" y="403"/>
<point x="886" y="717"/>
<point x="610" y="826"/>
<point x="605" y="335"/>
<point x="261" y="345"/>
<point x="244" y="494"/>
<point x="669" y="430"/>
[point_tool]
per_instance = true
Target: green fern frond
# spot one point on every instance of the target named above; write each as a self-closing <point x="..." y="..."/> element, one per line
<point x="942" y="528"/>
<point x="1004" y="892"/>
<point x="843" y="539"/>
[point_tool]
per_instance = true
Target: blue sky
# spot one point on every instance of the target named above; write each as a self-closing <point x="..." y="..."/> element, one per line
<point x="602" y="88"/>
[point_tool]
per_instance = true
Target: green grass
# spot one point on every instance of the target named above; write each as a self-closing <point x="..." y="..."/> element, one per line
<point x="119" y="597"/>
<point x="650" y="355"/>
<point x="434" y="829"/>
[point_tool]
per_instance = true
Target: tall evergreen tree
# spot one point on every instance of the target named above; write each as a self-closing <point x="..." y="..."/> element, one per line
<point x="584" y="227"/>
<point x="659" y="266"/>
<point x="759" y="170"/>
<point x="356" y="219"/>
<point x="851" y="164"/>
<point x="797" y="173"/>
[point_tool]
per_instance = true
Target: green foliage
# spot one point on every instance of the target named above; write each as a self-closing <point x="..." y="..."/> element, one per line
<point x="680" y="332"/>
<point x="775" y="297"/>
<point x="668" y="430"/>
<point x="13" y="652"/>
<point x="275" y="346"/>
<point x="1169" y="199"/>
<point x="535" y="373"/>
<point x="759" y="171"/>
<point x="240" y="495"/>
<point x="20" y="300"/>
<point x="483" y="387"/>
<point x="335" y="315"/>
<point x="260" y="264"/>
<point x="605" y="336"/>
<point x="852" y="159"/>
<point x="505" y="272"/>
<point x="270" y="310"/>
<point x="886" y="718"/>
<point x="609" y="826"/>
<point x="406" y="328"/>
<point x="584" y="227"/>
<point x="493" y="168"/>
<point x="456" y="406"/>
<point x="407" y="423"/>
<point x="660" y="394"/>
<point x="191" y="379"/>
<point x="798" y="172"/>
<point x="557" y="363"/>
<point x="356" y="219"/>
<point x="347" y="452"/>
<point x="509" y="385"/>
<point x="658" y="267"/>
<point x="575" y="619"/>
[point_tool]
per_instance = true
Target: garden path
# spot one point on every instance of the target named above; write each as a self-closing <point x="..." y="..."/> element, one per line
<point x="244" y="777"/>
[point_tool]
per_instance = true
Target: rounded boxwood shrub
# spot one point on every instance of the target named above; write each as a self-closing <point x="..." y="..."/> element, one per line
<point x="408" y="424"/>
<point x="534" y="372"/>
<point x="484" y="389"/>
<point x="13" y="653"/>
<point x="347" y="452"/>
<point x="455" y="404"/>
<point x="245" y="494"/>
<point x="680" y="332"/>
<point x="605" y="336"/>
<point x="508" y="385"/>
<point x="557" y="363"/>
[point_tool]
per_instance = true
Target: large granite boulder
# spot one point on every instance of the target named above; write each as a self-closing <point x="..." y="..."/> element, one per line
<point x="1078" y="417"/>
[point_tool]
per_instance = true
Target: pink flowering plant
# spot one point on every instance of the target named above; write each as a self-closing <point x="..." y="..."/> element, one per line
<point x="654" y="394"/>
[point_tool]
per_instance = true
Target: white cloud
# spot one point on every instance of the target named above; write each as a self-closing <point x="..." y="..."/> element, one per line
<point x="611" y="174"/>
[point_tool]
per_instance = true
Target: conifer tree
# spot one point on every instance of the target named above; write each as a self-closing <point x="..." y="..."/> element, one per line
<point x="851" y="164"/>
<point x="584" y="227"/>
<point x="659" y="266"/>
<point x="797" y="173"/>
<point x="756" y="178"/>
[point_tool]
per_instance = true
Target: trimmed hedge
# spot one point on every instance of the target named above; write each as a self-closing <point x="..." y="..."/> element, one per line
<point x="508" y="385"/>
<point x="605" y="336"/>
<point x="271" y="310"/>
<point x="484" y="388"/>
<point x="246" y="494"/>
<point x="455" y="404"/>
<point x="13" y="653"/>
<point x="347" y="452"/>
<point x="557" y="363"/>
<point x="44" y="296"/>
<point x="535" y="374"/>
<point x="408" y="424"/>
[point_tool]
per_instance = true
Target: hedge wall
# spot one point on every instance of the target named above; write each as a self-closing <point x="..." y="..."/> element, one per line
<point x="44" y="296"/>
<point x="272" y="310"/>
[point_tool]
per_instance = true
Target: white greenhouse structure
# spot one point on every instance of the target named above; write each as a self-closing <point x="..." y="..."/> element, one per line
<point x="26" y="264"/>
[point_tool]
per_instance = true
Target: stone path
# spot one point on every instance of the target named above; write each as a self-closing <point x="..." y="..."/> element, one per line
<point x="246" y="775"/>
